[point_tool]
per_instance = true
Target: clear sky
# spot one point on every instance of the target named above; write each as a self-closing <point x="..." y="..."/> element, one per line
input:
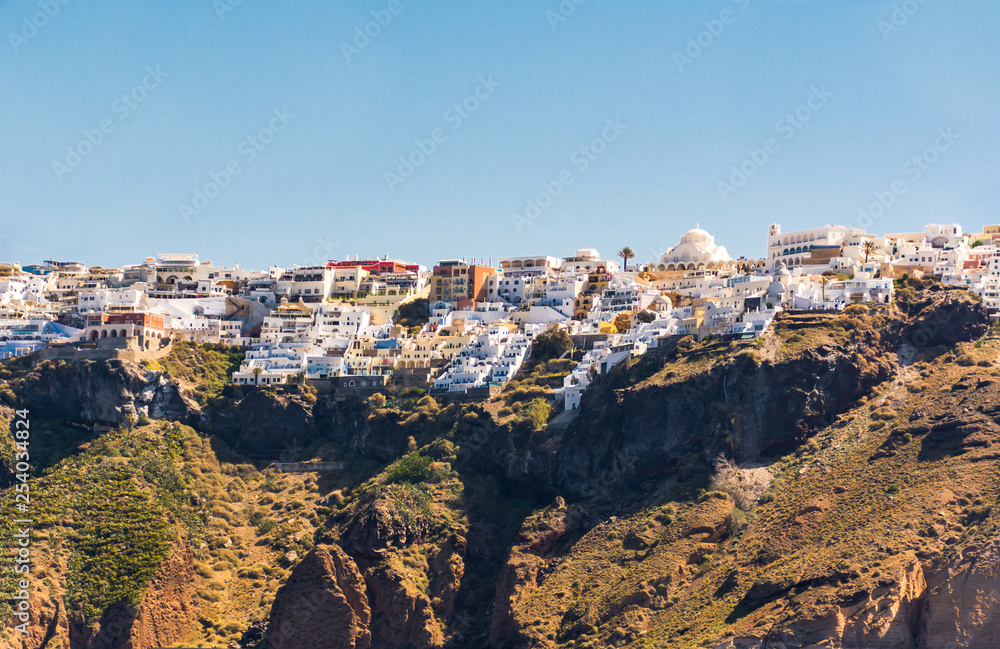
<point x="314" y="119"/>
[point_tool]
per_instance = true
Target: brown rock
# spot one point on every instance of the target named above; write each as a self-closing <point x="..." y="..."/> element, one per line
<point x="380" y="527"/>
<point x="963" y="604"/>
<point x="166" y="611"/>
<point x="520" y="576"/>
<point x="161" y="619"/>
<point x="47" y="628"/>
<point x="322" y="606"/>
<point x="882" y="618"/>
<point x="402" y="616"/>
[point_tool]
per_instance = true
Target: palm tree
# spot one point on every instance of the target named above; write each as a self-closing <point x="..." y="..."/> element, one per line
<point x="257" y="371"/>
<point x="626" y="253"/>
<point x="824" y="280"/>
<point x="869" y="248"/>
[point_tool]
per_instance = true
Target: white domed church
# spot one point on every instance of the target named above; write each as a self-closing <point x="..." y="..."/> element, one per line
<point x="696" y="251"/>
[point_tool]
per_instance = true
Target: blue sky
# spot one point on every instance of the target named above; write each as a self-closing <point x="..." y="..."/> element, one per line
<point x="890" y="78"/>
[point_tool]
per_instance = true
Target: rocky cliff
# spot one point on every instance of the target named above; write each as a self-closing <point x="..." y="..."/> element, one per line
<point x="324" y="605"/>
<point x="104" y="393"/>
<point x="878" y="432"/>
<point x="162" y="618"/>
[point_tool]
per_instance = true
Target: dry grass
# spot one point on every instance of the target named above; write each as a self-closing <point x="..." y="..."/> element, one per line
<point x="744" y="485"/>
<point x="852" y="507"/>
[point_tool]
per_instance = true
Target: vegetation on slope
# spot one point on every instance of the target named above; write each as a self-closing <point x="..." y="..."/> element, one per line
<point x="527" y="400"/>
<point x="851" y="510"/>
<point x="203" y="369"/>
<point x="413" y="315"/>
<point x="671" y="561"/>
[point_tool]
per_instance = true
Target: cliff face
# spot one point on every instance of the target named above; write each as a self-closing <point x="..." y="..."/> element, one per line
<point x="104" y="393"/>
<point x="385" y="583"/>
<point x="167" y="610"/>
<point x="881" y="430"/>
<point x="962" y="601"/>
<point x="324" y="605"/>
<point x="736" y="406"/>
<point x="636" y="426"/>
<point x="537" y="543"/>
<point x="264" y="424"/>
<point x="161" y="619"/>
<point x="880" y="532"/>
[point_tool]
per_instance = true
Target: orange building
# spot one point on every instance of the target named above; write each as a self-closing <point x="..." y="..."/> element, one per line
<point x="459" y="283"/>
<point x="144" y="326"/>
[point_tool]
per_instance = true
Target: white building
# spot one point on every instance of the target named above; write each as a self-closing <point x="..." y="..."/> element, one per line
<point x="696" y="251"/>
<point x="796" y="248"/>
<point x="492" y="357"/>
<point x="274" y="363"/>
<point x="589" y="260"/>
<point x="944" y="236"/>
<point x="311" y="284"/>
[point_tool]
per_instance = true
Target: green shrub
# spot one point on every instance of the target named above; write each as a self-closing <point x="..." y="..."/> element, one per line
<point x="537" y="412"/>
<point x="713" y="495"/>
<point x="548" y="346"/>
<point x="111" y="561"/>
<point x="410" y="469"/>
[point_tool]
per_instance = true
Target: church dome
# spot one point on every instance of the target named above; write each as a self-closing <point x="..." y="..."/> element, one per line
<point x="782" y="275"/>
<point x="697" y="236"/>
<point x="696" y="250"/>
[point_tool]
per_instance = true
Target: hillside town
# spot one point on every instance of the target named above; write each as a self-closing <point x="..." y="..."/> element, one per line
<point x="465" y="326"/>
